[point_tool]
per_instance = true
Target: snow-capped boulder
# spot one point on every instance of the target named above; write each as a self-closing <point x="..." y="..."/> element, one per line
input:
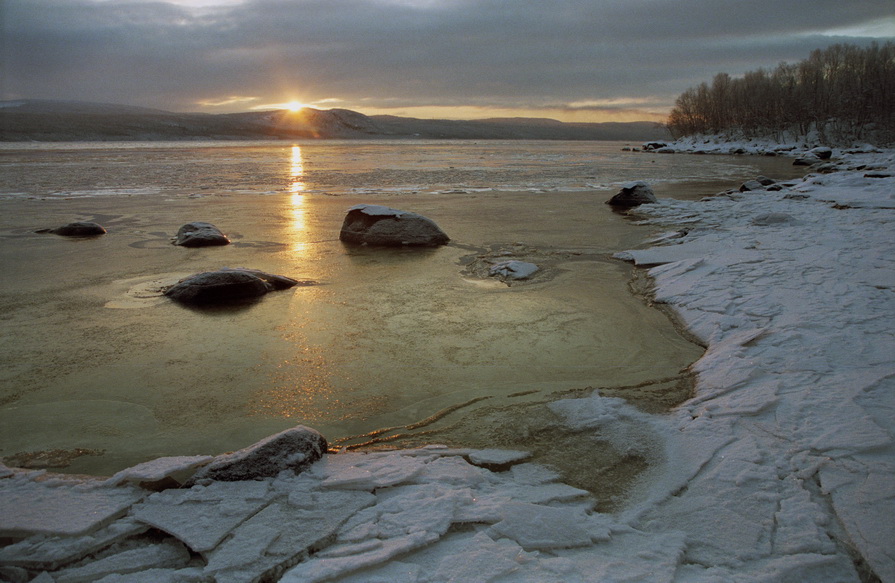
<point x="200" y="234"/>
<point x="822" y="152"/>
<point x="293" y="449"/>
<point x="226" y="285"/>
<point x="751" y="185"/>
<point x="80" y="229"/>
<point x="633" y="194"/>
<point x="370" y="224"/>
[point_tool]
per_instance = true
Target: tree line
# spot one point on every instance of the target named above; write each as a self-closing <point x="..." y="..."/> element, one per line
<point x="844" y="93"/>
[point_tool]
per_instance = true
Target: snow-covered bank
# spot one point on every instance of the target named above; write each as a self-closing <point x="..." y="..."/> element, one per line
<point x="785" y="458"/>
<point x="806" y="146"/>
<point x="780" y="469"/>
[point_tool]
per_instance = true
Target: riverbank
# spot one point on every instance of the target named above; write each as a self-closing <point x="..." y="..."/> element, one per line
<point x="779" y="469"/>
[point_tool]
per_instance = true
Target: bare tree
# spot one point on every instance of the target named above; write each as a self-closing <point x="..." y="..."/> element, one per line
<point x="843" y="93"/>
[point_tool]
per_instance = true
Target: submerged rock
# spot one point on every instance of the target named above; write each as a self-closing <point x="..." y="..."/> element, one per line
<point x="80" y="229"/>
<point x="633" y="194"/>
<point x="513" y="269"/>
<point x="768" y="219"/>
<point x="293" y="449"/>
<point x="368" y="224"/>
<point x="199" y="234"/>
<point x="226" y="286"/>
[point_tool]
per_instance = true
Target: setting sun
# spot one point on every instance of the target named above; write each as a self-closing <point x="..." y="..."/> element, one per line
<point x="295" y="106"/>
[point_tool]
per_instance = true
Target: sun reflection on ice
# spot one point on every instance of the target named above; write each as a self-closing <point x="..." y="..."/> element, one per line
<point x="297" y="207"/>
<point x="296" y="171"/>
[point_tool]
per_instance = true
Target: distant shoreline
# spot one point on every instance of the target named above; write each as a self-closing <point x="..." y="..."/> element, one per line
<point x="63" y="121"/>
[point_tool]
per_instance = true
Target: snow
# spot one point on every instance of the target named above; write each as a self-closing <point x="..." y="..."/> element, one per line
<point x="780" y="468"/>
<point x="159" y="469"/>
<point x="377" y="210"/>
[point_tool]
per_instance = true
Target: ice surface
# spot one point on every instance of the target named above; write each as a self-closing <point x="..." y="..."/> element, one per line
<point x="50" y="552"/>
<point x="780" y="468"/>
<point x="158" y="469"/>
<point x="488" y="457"/>
<point x="536" y="527"/>
<point x="169" y="554"/>
<point x="202" y="516"/>
<point x="29" y="507"/>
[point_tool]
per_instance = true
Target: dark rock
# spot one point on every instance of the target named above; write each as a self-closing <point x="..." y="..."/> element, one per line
<point x="803" y="162"/>
<point x="199" y="234"/>
<point x="633" y="194"/>
<point x="877" y="174"/>
<point x="751" y="185"/>
<point x="828" y="168"/>
<point x="653" y="146"/>
<point x="226" y="286"/>
<point x="293" y="449"/>
<point x="822" y="153"/>
<point x="80" y="229"/>
<point x="764" y="180"/>
<point x="368" y="224"/>
<point x="277" y="282"/>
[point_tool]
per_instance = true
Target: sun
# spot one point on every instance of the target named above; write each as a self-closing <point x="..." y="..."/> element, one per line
<point x="295" y="106"/>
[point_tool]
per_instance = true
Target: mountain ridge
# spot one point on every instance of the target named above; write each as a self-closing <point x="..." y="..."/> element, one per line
<point x="50" y="120"/>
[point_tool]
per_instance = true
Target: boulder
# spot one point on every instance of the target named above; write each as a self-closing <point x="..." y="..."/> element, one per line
<point x="226" y="286"/>
<point x="513" y="270"/>
<point x="803" y="162"/>
<point x="648" y="146"/>
<point x="293" y="449"/>
<point x="751" y="185"/>
<point x="765" y="181"/>
<point x="199" y="234"/>
<point x="369" y="224"/>
<point x="80" y="229"/>
<point x="633" y="194"/>
<point x="277" y="282"/>
<point x="822" y="152"/>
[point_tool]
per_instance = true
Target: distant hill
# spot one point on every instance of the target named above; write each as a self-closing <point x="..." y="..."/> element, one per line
<point x="44" y="120"/>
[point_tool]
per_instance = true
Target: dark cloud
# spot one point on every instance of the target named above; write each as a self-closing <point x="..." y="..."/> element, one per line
<point x="389" y="53"/>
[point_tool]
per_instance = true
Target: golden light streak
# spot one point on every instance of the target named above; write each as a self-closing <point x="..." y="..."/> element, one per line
<point x="297" y="207"/>
<point x="296" y="171"/>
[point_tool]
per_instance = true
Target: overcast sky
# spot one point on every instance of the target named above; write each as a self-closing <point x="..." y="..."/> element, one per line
<point x="576" y="60"/>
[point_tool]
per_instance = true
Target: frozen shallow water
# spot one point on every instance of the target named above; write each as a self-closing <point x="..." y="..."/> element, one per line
<point x="105" y="373"/>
